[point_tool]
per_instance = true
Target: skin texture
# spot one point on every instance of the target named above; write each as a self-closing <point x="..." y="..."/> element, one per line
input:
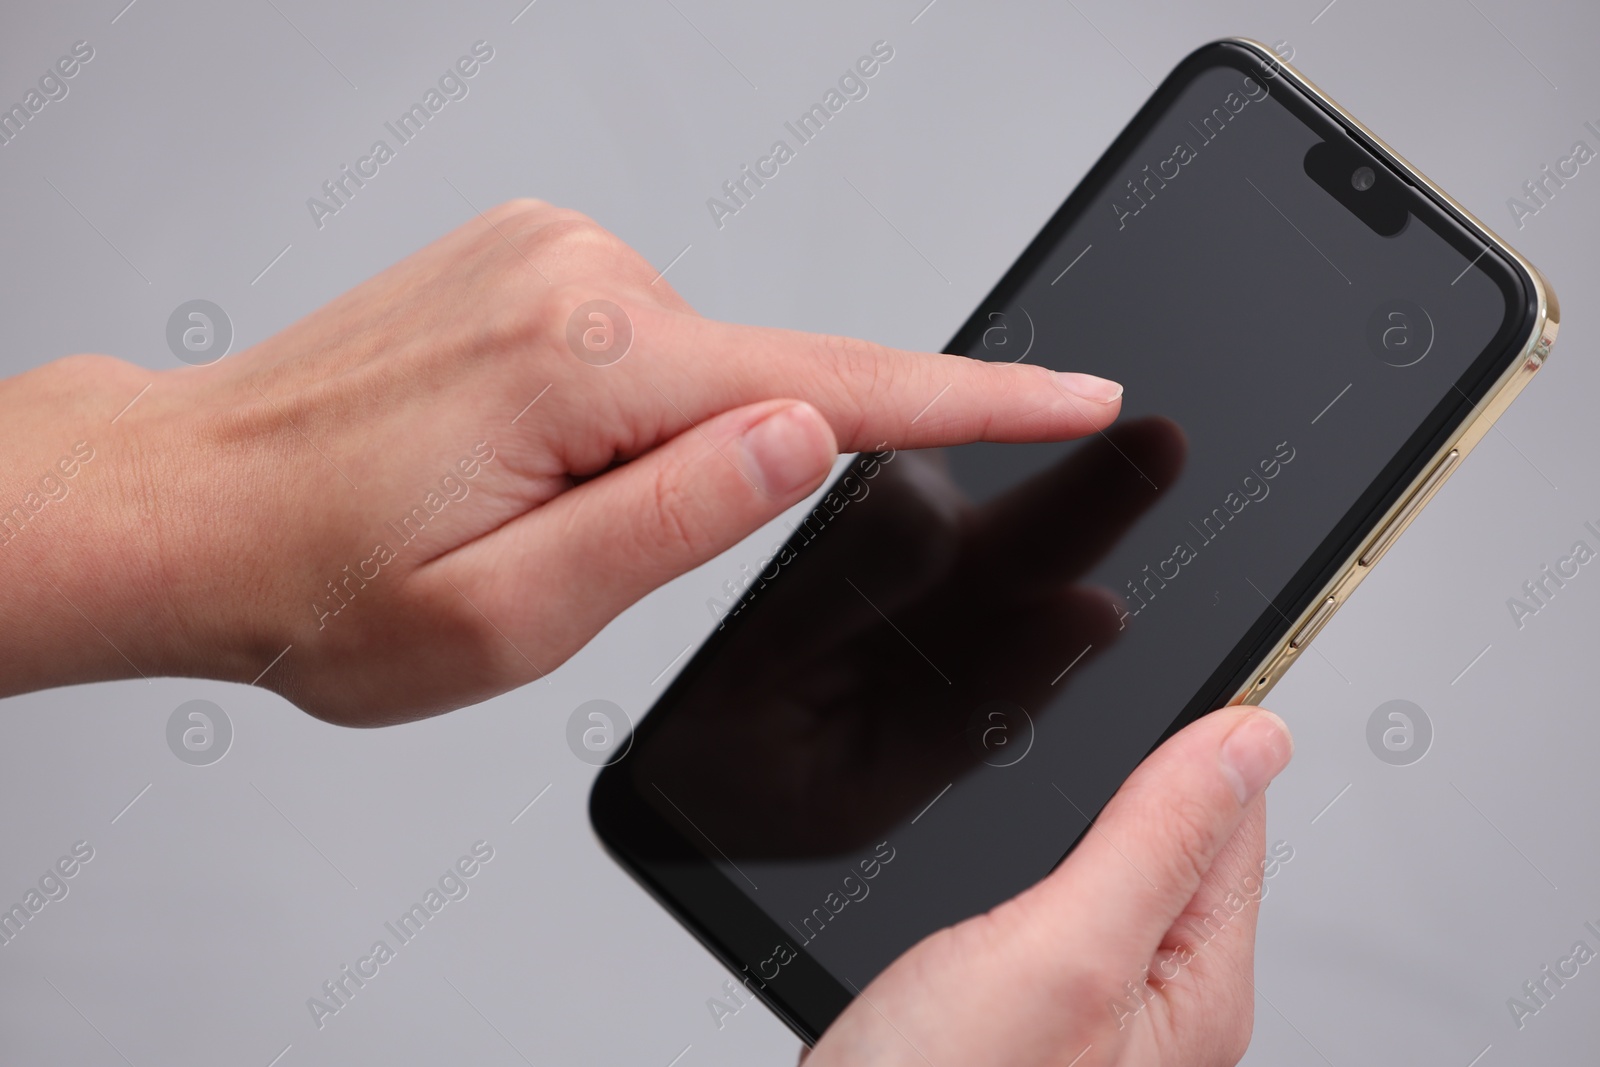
<point x="244" y="521"/>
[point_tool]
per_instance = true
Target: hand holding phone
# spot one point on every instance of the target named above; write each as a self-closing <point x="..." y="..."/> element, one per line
<point x="1138" y="949"/>
<point x="1312" y="336"/>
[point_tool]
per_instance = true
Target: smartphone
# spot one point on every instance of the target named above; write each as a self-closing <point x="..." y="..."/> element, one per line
<point x="913" y="710"/>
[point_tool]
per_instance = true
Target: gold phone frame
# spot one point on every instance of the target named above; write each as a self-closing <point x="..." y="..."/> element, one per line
<point x="1276" y="663"/>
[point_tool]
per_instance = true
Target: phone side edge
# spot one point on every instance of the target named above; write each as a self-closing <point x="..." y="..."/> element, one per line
<point x="1270" y="668"/>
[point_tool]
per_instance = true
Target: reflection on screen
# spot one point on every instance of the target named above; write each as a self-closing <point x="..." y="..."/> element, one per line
<point x="963" y="652"/>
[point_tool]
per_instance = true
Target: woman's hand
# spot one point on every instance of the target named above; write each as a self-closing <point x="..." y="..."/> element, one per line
<point x="442" y="484"/>
<point x="1135" y="952"/>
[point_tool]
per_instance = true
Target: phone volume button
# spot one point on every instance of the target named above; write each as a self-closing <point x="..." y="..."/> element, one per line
<point x="1392" y="528"/>
<point x="1309" y="628"/>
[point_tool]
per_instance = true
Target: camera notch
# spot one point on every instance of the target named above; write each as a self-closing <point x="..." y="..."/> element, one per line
<point x="1363" y="185"/>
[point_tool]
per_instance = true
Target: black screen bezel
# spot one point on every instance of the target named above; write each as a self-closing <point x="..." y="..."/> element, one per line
<point x="674" y="869"/>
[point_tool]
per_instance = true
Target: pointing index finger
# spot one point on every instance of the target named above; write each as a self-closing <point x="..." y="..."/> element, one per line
<point x="873" y="395"/>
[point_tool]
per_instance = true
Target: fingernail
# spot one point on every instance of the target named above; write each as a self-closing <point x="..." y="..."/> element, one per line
<point x="788" y="450"/>
<point x="1255" y="752"/>
<point x="1098" y="390"/>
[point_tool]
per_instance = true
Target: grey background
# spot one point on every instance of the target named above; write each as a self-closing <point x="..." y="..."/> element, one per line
<point x="223" y="897"/>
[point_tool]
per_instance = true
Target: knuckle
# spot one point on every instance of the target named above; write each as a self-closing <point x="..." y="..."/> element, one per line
<point x="1090" y="986"/>
<point x="859" y="363"/>
<point x="948" y="946"/>
<point x="984" y="936"/>
<point x="92" y="367"/>
<point x="574" y="236"/>
<point x="527" y="216"/>
<point x="1086" y="986"/>
<point x="1185" y="833"/>
<point x="862" y="375"/>
<point x="522" y="207"/>
<point x="1011" y="932"/>
<point x="675" y="529"/>
<point x="514" y="222"/>
<point x="532" y="205"/>
<point x="952" y="950"/>
<point x="542" y="323"/>
<point x="83" y="362"/>
<point x="537" y="227"/>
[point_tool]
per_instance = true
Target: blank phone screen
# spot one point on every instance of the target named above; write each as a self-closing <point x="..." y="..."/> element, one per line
<point x="914" y="710"/>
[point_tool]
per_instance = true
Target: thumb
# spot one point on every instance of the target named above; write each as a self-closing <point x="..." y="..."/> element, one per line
<point x="597" y="548"/>
<point x="1149" y="851"/>
<point x="1030" y="981"/>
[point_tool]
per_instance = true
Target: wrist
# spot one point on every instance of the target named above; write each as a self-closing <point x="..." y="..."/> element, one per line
<point x="98" y="530"/>
<point x="51" y="519"/>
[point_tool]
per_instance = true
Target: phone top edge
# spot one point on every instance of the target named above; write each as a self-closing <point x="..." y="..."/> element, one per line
<point x="1547" y="313"/>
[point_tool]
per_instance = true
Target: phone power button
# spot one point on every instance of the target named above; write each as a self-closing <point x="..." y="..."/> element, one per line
<point x="1402" y="518"/>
